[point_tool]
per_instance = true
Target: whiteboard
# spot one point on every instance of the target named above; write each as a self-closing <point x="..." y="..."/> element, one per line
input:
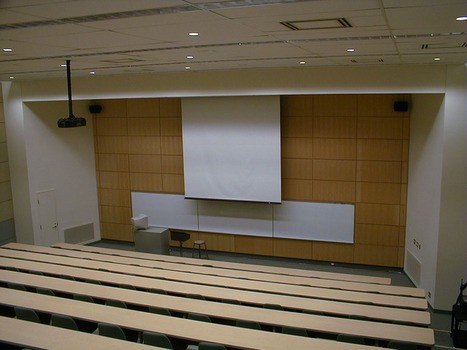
<point x="241" y="218"/>
<point x="330" y="222"/>
<point x="166" y="210"/>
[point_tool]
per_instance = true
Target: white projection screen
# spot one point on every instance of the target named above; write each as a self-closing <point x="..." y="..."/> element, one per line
<point x="231" y="148"/>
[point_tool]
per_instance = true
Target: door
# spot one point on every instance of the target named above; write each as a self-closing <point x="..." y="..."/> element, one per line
<point x="47" y="217"/>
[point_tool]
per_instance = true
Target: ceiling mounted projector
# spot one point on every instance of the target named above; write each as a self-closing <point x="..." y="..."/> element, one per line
<point x="71" y="121"/>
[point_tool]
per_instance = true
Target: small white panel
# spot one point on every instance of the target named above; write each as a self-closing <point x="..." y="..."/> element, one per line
<point x="314" y="221"/>
<point x="241" y="218"/>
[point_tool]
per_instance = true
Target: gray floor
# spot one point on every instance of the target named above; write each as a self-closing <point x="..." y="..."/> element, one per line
<point x="440" y="321"/>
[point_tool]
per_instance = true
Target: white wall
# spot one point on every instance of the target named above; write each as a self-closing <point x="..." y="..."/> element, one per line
<point x="62" y="159"/>
<point x="424" y="192"/>
<point x="452" y="247"/>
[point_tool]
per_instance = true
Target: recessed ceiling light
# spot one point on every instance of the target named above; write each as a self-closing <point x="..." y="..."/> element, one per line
<point x="63" y="65"/>
<point x="302" y="62"/>
<point x="190" y="57"/>
<point x="92" y="72"/>
<point x="7" y="49"/>
<point x="461" y="18"/>
<point x="437" y="59"/>
<point x="187" y="67"/>
<point x="350" y="50"/>
<point x="193" y="33"/>
<point x="12" y="77"/>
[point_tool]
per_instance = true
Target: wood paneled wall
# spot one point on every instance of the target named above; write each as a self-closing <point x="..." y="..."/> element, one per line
<point x="335" y="148"/>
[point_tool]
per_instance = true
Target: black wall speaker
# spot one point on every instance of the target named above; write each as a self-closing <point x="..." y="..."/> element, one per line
<point x="401" y="106"/>
<point x="95" y="109"/>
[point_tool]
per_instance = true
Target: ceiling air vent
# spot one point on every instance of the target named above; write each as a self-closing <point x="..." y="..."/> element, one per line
<point x="442" y="46"/>
<point x="315" y="24"/>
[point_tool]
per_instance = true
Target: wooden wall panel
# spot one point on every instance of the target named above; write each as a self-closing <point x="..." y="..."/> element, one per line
<point x="112" y="162"/>
<point x="334" y="191"/>
<point x="379" y="171"/>
<point x="337" y="252"/>
<point x="375" y="192"/>
<point x="113" y="197"/>
<point x="145" y="163"/>
<point x="172" y="165"/>
<point x="111" y="126"/>
<point x="334" y="127"/>
<point x="172" y="183"/>
<point x="337" y="170"/>
<point x="144" y="144"/>
<point x="378" y="235"/>
<point x="297" y="168"/>
<point x="292" y="248"/>
<point x="254" y="245"/>
<point x="218" y="241"/>
<point x="324" y="148"/>
<point x="297" y="106"/>
<point x="297" y="147"/>
<point x="144" y="127"/>
<point x="146" y="182"/>
<point x="170" y="107"/>
<point x="334" y="148"/>
<point x="293" y="189"/>
<point x="369" y="255"/>
<point x="335" y="105"/>
<point x="112" y="144"/>
<point x="142" y="107"/>
<point x="115" y="180"/>
<point x="297" y="127"/>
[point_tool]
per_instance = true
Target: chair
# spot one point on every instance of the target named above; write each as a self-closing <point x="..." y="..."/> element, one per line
<point x="26" y="314"/>
<point x="345" y="338"/>
<point x="85" y="298"/>
<point x="157" y="339"/>
<point x="180" y="237"/>
<point x="401" y="345"/>
<point x="210" y="346"/>
<point x="45" y="291"/>
<point x="295" y="331"/>
<point x="199" y="245"/>
<point x="111" y="331"/>
<point x="248" y="324"/>
<point x="17" y="286"/>
<point x="116" y="303"/>
<point x="160" y="311"/>
<point x="198" y="317"/>
<point x="195" y="296"/>
<point x="63" y="321"/>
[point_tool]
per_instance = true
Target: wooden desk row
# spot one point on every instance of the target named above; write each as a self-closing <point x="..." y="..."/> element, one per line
<point x="229" y="265"/>
<point x="388" y="314"/>
<point x="203" y="270"/>
<point x="175" y="327"/>
<point x="34" y="335"/>
<point x="234" y="283"/>
<point x="323" y="324"/>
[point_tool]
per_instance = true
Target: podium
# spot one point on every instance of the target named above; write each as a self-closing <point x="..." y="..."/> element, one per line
<point x="154" y="240"/>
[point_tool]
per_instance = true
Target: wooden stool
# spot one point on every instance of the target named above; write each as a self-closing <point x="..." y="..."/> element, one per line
<point x="198" y="245"/>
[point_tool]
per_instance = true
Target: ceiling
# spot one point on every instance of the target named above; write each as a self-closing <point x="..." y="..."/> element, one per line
<point x="149" y="36"/>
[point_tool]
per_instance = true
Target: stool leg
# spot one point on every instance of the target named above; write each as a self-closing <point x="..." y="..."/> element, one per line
<point x="181" y="248"/>
<point x="199" y="251"/>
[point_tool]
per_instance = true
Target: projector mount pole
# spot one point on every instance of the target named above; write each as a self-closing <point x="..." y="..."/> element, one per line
<point x="68" y="75"/>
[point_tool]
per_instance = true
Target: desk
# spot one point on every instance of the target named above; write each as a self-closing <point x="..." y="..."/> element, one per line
<point x="326" y="324"/>
<point x="172" y="326"/>
<point x="389" y="314"/>
<point x="230" y="265"/>
<point x="35" y="335"/>
<point x="304" y="291"/>
<point x="153" y="240"/>
<point x="200" y="270"/>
